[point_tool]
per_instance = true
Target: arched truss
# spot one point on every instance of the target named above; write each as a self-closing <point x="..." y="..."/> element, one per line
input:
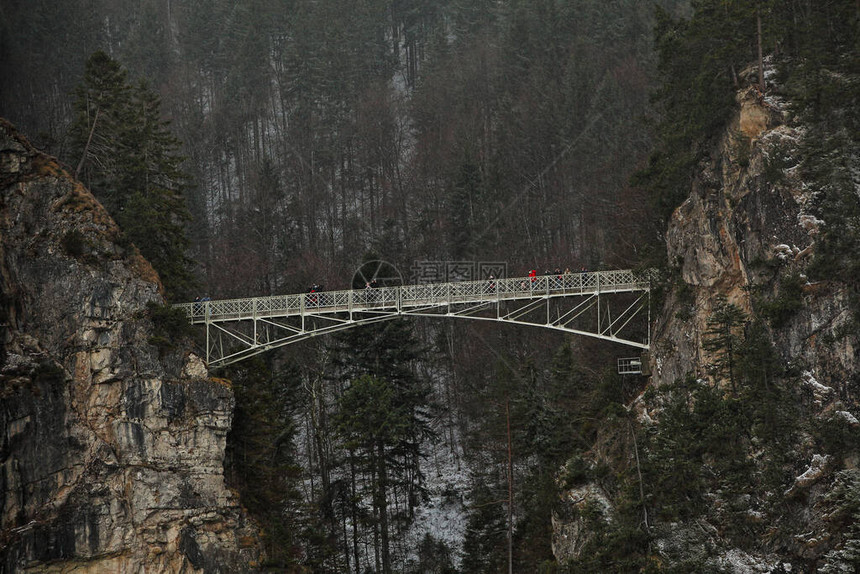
<point x="600" y="304"/>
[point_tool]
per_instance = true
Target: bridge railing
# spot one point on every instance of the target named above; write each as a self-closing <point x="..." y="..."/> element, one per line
<point x="407" y="296"/>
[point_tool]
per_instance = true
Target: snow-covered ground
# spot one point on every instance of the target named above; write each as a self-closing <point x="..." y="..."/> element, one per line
<point x="444" y="515"/>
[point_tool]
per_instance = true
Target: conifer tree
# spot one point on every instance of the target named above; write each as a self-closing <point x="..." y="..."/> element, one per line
<point x="484" y="547"/>
<point x="372" y="422"/>
<point x="260" y="456"/>
<point x="383" y="420"/>
<point x="846" y="498"/>
<point x="723" y="338"/>
<point x="129" y="159"/>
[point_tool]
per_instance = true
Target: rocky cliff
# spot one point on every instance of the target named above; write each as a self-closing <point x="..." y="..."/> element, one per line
<point x="746" y="226"/>
<point x="112" y="448"/>
<point x="730" y="484"/>
<point x="747" y="232"/>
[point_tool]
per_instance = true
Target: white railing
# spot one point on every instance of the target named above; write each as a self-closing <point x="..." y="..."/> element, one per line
<point x="409" y="297"/>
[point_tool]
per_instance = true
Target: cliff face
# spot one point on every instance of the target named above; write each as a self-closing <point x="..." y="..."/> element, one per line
<point x="746" y="233"/>
<point x="745" y="227"/>
<point x="111" y="451"/>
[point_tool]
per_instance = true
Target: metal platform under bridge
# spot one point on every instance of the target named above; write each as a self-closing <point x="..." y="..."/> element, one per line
<point x="600" y="304"/>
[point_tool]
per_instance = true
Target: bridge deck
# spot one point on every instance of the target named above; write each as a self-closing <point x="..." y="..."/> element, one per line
<point x="416" y="297"/>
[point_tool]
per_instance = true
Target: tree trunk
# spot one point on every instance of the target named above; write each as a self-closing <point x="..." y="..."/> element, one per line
<point x="760" y="58"/>
<point x="510" y="491"/>
<point x="374" y="480"/>
<point x="353" y="508"/>
<point x="382" y="487"/>
<point x="87" y="147"/>
<point x="320" y="432"/>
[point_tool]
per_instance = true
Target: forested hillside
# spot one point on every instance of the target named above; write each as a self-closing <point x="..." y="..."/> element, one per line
<point x="258" y="147"/>
<point x="317" y="131"/>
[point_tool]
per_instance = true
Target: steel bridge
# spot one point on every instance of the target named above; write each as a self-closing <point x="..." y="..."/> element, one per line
<point x="600" y="304"/>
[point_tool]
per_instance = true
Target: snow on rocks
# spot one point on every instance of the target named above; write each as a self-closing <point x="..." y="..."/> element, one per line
<point x="819" y="391"/>
<point x="811" y="474"/>
<point x="810" y="223"/>
<point x="740" y="562"/>
<point x="847" y="417"/>
<point x="785" y="252"/>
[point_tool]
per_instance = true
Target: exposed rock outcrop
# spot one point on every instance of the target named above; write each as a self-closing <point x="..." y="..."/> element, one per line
<point x="112" y="450"/>
<point x="569" y="525"/>
<point x="746" y="228"/>
<point x="746" y="223"/>
<point x="746" y="232"/>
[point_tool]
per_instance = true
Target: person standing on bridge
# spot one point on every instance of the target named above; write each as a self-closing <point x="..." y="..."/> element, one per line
<point x="491" y="284"/>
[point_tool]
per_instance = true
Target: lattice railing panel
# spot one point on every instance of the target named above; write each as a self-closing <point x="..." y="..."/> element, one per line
<point x="417" y="295"/>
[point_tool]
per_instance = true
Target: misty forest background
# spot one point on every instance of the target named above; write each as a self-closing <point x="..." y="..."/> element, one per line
<point x="257" y="147"/>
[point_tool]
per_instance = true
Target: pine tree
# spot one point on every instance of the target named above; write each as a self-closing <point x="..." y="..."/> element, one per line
<point x="130" y="161"/>
<point x="700" y="59"/>
<point x="846" y="498"/>
<point x="101" y="109"/>
<point x="383" y="436"/>
<point x="260" y="455"/>
<point x="723" y="338"/>
<point x="485" y="544"/>
<point x="372" y="422"/>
